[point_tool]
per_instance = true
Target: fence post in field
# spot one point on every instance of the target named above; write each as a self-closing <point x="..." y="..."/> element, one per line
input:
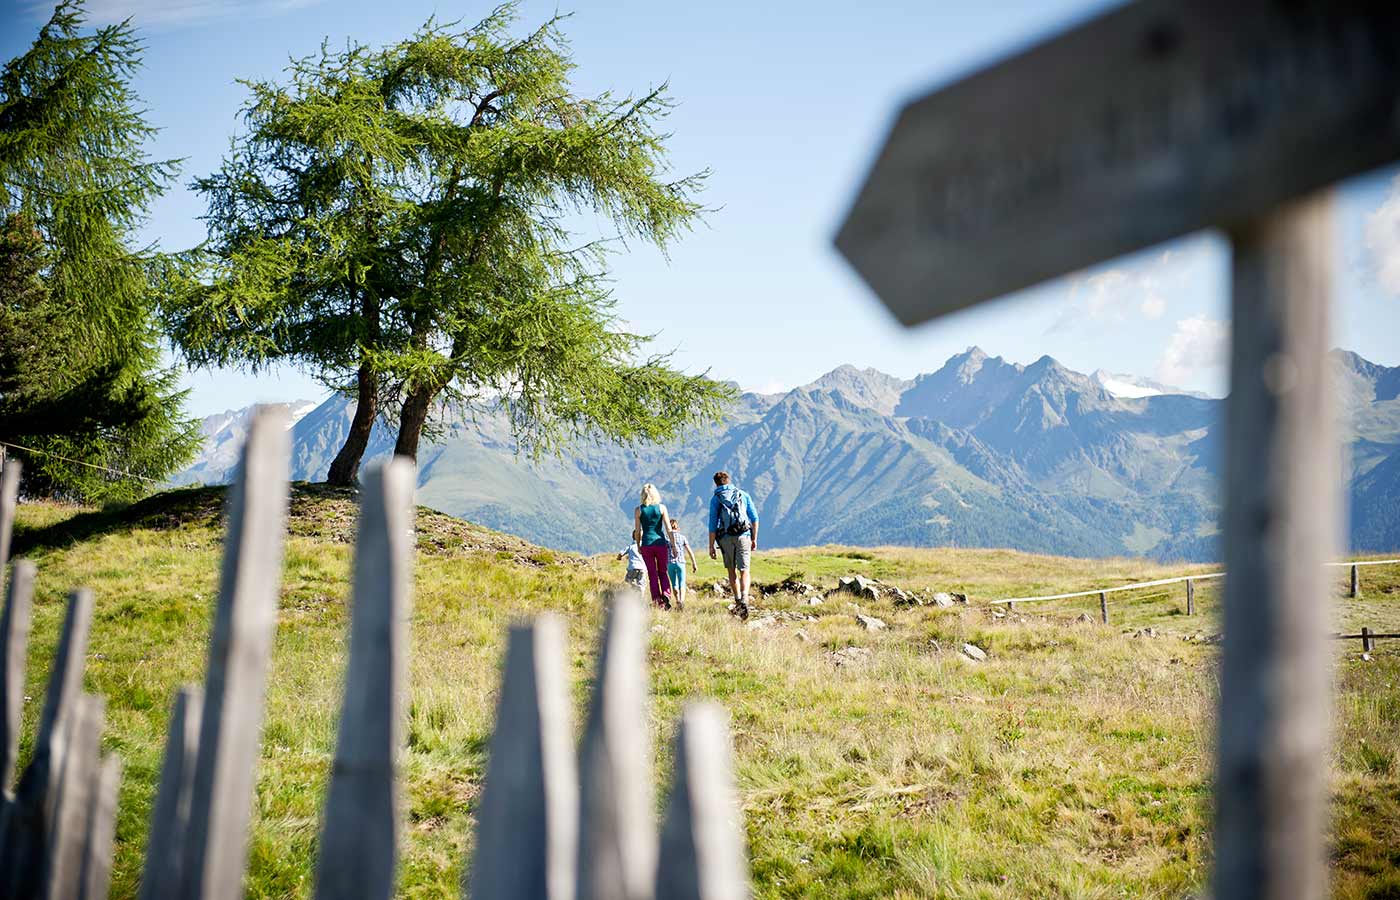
<point x="14" y="650"/>
<point x="1103" y="606"/>
<point x="527" y="819"/>
<point x="245" y="614"/>
<point x="359" y="838"/>
<point x="102" y="828"/>
<point x="28" y="820"/>
<point x="1190" y="597"/>
<point x="1355" y="581"/>
<point x="1367" y="642"/>
<point x="617" y="850"/>
<point x="170" y="816"/>
<point x="76" y="785"/>
<point x="9" y="497"/>
<point x="702" y="853"/>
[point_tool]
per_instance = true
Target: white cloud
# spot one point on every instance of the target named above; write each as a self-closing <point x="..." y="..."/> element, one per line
<point x="771" y="387"/>
<point x="1198" y="349"/>
<point x="1112" y="295"/>
<point x="169" y="13"/>
<point x="1383" y="240"/>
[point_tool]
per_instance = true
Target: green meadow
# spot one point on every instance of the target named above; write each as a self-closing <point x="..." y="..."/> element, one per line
<point x="1075" y="761"/>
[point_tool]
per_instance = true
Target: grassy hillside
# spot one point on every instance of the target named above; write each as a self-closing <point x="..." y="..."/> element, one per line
<point x="1073" y="762"/>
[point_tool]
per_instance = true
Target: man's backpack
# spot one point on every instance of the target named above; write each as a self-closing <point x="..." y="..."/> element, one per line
<point x="733" y="512"/>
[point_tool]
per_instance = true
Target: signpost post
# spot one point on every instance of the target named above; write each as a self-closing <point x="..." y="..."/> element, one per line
<point x="1152" y="121"/>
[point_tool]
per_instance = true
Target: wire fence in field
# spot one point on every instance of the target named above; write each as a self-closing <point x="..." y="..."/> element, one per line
<point x="1190" y="581"/>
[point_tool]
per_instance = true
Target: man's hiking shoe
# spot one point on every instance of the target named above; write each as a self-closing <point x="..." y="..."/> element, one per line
<point x="741" y="609"/>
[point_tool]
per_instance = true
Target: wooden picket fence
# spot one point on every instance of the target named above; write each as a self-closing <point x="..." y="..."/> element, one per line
<point x="550" y="824"/>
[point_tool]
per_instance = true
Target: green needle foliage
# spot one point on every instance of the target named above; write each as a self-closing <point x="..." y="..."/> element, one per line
<point x="398" y="221"/>
<point x="80" y="370"/>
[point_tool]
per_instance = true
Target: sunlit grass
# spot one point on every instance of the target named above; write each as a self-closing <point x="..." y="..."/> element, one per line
<point x="1074" y="762"/>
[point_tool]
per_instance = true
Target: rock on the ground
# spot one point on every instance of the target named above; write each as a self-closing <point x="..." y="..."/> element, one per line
<point x="943" y="599"/>
<point x="847" y="583"/>
<point x="870" y="592"/>
<point x="802" y="635"/>
<point x="849" y="655"/>
<point x="974" y="652"/>
<point x="761" y="622"/>
<point x="814" y="601"/>
<point x="904" y="598"/>
<point x="870" y="623"/>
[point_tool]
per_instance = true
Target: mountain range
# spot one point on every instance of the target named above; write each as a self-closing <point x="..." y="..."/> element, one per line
<point x="982" y="452"/>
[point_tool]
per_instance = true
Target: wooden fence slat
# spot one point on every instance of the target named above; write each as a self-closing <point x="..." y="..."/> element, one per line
<point x="102" y="828"/>
<point x="1103" y="607"/>
<point x="1190" y="597"/>
<point x="9" y="498"/>
<point x="702" y="850"/>
<point x="1355" y="581"/>
<point x="527" y="819"/>
<point x="1281" y="524"/>
<point x="14" y="652"/>
<point x="359" y="840"/>
<point x="161" y="879"/>
<point x="245" y="615"/>
<point x="617" y="840"/>
<point x="25" y="829"/>
<point x="78" y="779"/>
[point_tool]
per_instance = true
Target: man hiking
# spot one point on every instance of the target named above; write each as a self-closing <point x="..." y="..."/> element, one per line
<point x="734" y="527"/>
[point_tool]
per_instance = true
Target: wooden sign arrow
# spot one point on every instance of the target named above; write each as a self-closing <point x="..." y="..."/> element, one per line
<point x="1157" y="119"/>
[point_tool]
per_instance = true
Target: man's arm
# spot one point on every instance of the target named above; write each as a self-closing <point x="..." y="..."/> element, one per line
<point x="753" y="522"/>
<point x="714" y="522"/>
<point x="694" y="566"/>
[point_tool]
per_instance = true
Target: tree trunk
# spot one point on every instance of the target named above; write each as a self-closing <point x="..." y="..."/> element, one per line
<point x="415" y="414"/>
<point x="346" y="465"/>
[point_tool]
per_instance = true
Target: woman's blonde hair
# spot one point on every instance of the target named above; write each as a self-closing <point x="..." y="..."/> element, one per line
<point x="650" y="495"/>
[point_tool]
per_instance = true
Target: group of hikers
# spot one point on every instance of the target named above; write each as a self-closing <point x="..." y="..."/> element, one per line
<point x="659" y="550"/>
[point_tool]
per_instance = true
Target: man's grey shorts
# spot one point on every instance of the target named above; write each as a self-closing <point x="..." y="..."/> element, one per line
<point x="735" y="549"/>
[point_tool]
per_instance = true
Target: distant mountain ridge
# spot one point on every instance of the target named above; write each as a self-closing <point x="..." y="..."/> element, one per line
<point x="982" y="452"/>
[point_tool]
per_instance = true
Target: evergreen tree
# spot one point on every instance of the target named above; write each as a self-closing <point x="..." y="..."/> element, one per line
<point x="80" y="371"/>
<point x="396" y="220"/>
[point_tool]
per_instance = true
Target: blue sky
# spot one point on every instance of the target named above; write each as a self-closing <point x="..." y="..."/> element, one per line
<point x="786" y="103"/>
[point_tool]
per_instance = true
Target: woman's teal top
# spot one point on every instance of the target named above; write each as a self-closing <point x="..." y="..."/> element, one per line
<point x="653" y="527"/>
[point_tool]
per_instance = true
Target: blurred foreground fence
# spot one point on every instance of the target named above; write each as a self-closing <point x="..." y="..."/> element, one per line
<point x="550" y="824"/>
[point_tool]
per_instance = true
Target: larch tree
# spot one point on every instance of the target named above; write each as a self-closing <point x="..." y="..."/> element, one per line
<point x="398" y="221"/>
<point x="81" y="379"/>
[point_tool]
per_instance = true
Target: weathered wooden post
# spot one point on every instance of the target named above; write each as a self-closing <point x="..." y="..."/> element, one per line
<point x="27" y="828"/>
<point x="1355" y="581"/>
<point x="215" y="842"/>
<point x="1190" y="597"/>
<point x="1367" y="642"/>
<point x="617" y="845"/>
<point x="170" y="816"/>
<point x="9" y="497"/>
<point x="76" y="784"/>
<point x="359" y="840"/>
<point x="1103" y="607"/>
<point x="702" y="853"/>
<point x="14" y="650"/>
<point x="1151" y="121"/>
<point x="527" y="821"/>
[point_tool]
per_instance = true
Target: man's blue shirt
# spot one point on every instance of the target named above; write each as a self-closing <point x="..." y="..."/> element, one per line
<point x="743" y="497"/>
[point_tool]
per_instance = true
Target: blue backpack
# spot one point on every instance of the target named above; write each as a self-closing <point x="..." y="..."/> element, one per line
<point x="733" y="512"/>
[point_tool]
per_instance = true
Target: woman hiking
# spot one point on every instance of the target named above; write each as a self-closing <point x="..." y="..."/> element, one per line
<point x="650" y="522"/>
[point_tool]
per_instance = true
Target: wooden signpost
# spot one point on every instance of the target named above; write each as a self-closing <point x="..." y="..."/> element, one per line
<point x="1149" y="122"/>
